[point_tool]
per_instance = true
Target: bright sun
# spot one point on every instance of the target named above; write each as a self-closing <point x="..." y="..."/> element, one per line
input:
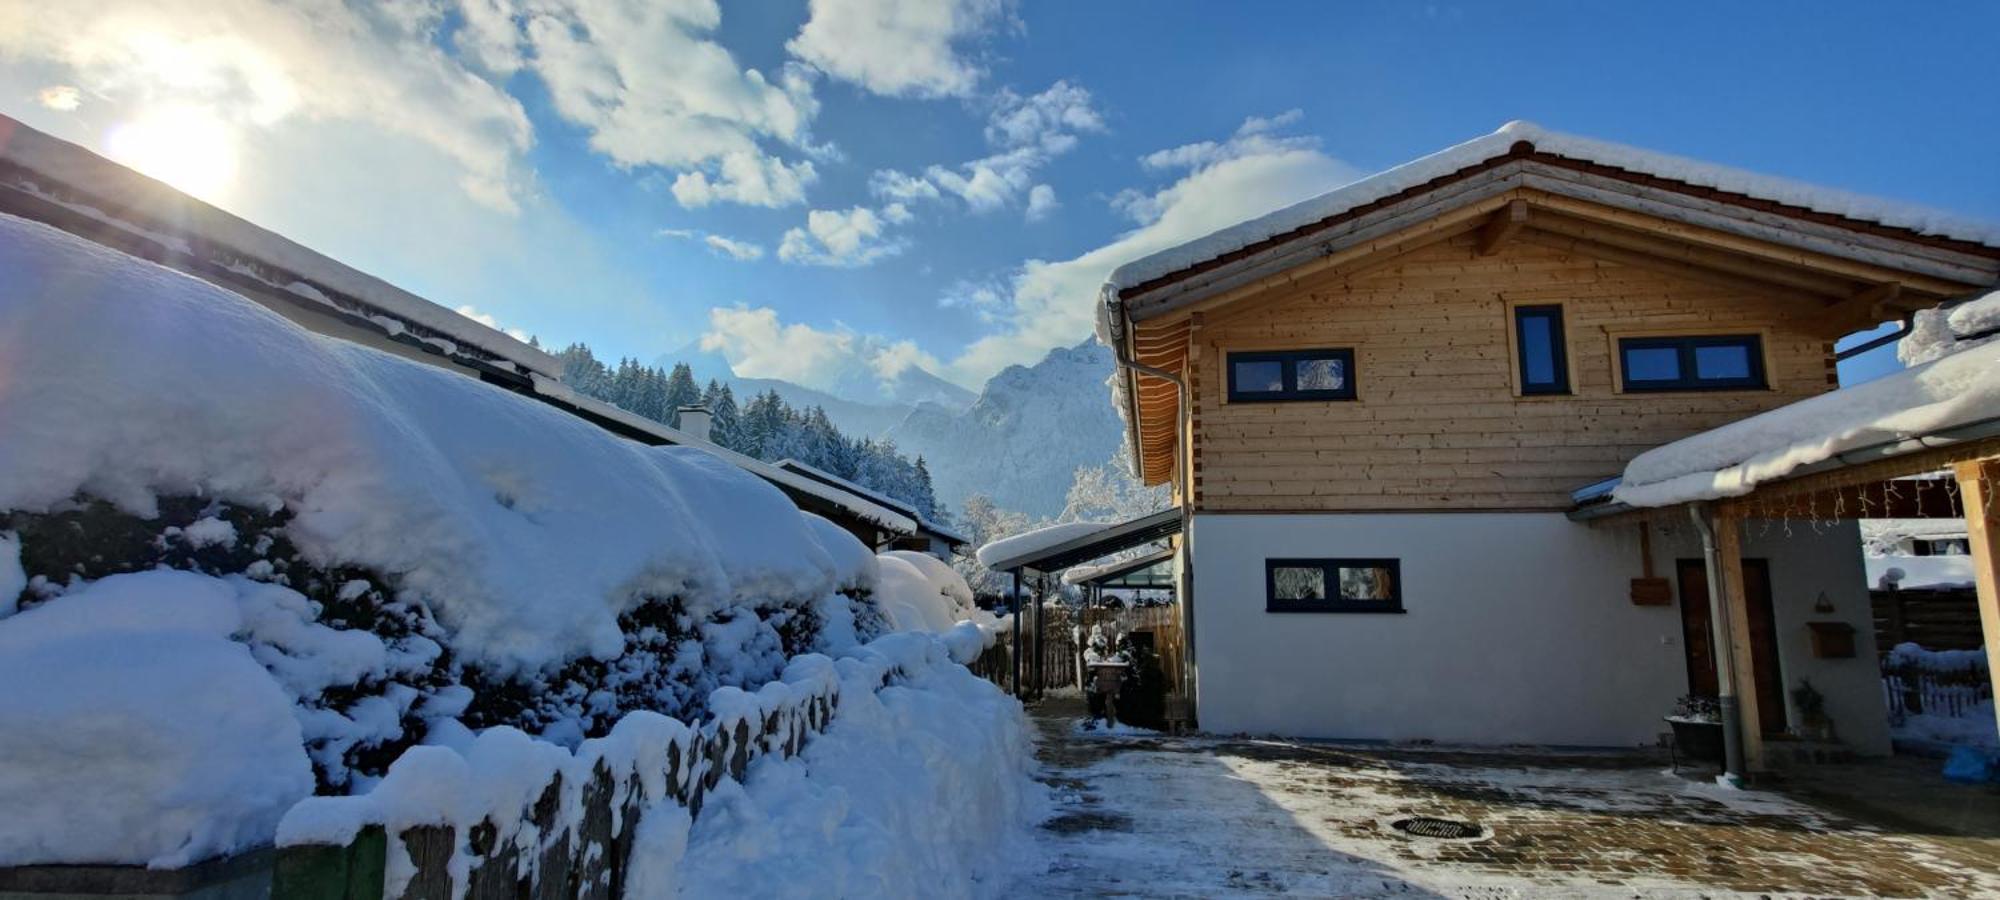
<point x="186" y="147"/>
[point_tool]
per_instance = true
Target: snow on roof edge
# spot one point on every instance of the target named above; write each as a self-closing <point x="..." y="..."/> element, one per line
<point x="1954" y="392"/>
<point x="77" y="168"/>
<point x="1778" y="189"/>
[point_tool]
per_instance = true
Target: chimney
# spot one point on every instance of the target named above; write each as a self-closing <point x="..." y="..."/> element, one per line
<point x="695" y="421"/>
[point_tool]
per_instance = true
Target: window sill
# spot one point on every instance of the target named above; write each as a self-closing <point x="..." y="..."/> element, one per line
<point x="1323" y="608"/>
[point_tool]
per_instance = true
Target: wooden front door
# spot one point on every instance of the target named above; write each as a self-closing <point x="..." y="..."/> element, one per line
<point x="1698" y="636"/>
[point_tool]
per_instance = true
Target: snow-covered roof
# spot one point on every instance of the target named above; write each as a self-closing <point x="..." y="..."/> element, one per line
<point x="1952" y="399"/>
<point x="847" y="501"/>
<point x="1918" y="219"/>
<point x="57" y="173"/>
<point x="526" y="529"/>
<point x="923" y="524"/>
<point x="1059" y="547"/>
<point x="1028" y="543"/>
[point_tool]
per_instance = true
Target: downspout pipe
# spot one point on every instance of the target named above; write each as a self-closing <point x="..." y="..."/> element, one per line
<point x="1115" y="317"/>
<point x="1725" y="661"/>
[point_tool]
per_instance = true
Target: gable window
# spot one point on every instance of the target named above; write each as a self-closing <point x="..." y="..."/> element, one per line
<point x="1291" y="375"/>
<point x="1538" y="342"/>
<point x="1333" y="585"/>
<point x="1692" y="363"/>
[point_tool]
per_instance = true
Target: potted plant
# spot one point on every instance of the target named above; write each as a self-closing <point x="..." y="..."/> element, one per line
<point x="1697" y="724"/>
<point x="1811" y="705"/>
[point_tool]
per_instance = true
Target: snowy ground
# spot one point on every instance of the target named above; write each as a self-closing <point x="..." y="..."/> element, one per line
<point x="1153" y="816"/>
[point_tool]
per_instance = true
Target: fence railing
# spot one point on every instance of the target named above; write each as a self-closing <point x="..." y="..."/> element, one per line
<point x="1912" y="690"/>
<point x="547" y="849"/>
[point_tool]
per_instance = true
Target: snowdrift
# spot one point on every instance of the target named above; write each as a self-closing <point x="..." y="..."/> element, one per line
<point x="241" y="563"/>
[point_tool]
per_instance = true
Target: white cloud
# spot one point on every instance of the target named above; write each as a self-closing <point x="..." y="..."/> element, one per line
<point x="1054" y="115"/>
<point x="1027" y="133"/>
<point x="854" y="237"/>
<point x="720" y="245"/>
<point x="898" y="48"/>
<point x="1050" y="304"/>
<point x="742" y="251"/>
<point x="487" y="319"/>
<point x="1041" y="202"/>
<point x="758" y="345"/>
<point x="653" y="88"/>
<point x="253" y="65"/>
<point x="747" y="178"/>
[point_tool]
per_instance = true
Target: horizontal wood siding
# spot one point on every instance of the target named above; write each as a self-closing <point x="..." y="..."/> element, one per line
<point x="1439" y="423"/>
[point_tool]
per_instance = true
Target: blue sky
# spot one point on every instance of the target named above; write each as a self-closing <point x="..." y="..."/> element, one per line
<point x="575" y="173"/>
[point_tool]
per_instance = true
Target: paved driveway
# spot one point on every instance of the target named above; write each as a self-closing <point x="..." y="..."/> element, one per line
<point x="1199" y="817"/>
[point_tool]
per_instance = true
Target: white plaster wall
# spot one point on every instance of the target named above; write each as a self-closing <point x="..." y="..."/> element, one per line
<point x="1519" y="630"/>
<point x="1805" y="561"/>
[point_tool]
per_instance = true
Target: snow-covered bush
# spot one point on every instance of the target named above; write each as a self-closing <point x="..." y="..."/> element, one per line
<point x="402" y="552"/>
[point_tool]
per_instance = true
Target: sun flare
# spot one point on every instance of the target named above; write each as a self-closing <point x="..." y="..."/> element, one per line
<point x="183" y="146"/>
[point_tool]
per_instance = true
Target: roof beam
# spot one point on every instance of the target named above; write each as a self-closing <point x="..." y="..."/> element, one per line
<point x="1680" y="251"/>
<point x="1503" y="226"/>
<point x="1647" y="261"/>
<point x="1871" y="306"/>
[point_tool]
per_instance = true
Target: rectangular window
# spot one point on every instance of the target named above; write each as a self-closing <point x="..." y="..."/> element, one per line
<point x="1291" y="375"/>
<point x="1698" y="363"/>
<point x="1941" y="547"/>
<point x="1333" y="585"/>
<point x="1538" y="339"/>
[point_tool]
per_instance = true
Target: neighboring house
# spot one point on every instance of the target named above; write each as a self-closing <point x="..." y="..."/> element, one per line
<point x="941" y="541"/>
<point x="1915" y="554"/>
<point x="65" y="186"/>
<point x="1374" y="408"/>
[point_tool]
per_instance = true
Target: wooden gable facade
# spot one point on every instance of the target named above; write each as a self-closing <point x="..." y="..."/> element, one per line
<point x="1421" y="288"/>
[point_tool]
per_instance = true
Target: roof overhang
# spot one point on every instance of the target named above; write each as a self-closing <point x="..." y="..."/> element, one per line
<point x="1096" y="545"/>
<point x="1104" y="575"/>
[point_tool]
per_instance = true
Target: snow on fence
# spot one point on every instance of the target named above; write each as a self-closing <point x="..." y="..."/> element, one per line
<point x="1946" y="683"/>
<point x="515" y="822"/>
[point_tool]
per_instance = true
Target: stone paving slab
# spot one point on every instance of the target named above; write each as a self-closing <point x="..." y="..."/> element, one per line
<point x="1201" y="817"/>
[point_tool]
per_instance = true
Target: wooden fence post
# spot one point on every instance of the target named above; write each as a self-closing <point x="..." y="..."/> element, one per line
<point x="328" y="872"/>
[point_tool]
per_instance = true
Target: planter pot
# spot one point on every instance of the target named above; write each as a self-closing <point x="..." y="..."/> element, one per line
<point x="1698" y="740"/>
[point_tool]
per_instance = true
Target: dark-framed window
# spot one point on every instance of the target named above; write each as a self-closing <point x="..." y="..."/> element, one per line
<point x="1279" y="375"/>
<point x="1941" y="547"/>
<point x="1333" y="585"/>
<point x="1721" y="362"/>
<point x="1540" y="350"/>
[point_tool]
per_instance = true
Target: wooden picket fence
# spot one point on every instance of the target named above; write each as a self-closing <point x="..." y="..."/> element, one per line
<point x="1912" y="690"/>
<point x="1062" y="652"/>
<point x="585" y="859"/>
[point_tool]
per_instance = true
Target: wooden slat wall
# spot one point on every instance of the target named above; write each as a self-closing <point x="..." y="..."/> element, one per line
<point x="1438" y="424"/>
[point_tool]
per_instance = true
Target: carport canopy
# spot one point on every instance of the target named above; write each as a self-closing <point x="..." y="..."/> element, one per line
<point x="1060" y="554"/>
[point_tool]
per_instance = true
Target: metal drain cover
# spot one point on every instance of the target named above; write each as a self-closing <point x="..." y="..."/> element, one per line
<point x="1446" y="829"/>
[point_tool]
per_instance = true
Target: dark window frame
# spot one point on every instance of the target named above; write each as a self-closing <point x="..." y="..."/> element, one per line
<point x="1940" y="546"/>
<point x="1331" y="566"/>
<point x="1558" y="348"/>
<point x="1690" y="379"/>
<point x="1288" y="368"/>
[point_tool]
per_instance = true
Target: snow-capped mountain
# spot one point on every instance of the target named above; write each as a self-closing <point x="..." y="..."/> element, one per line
<point x="1022" y="441"/>
<point x="860" y="406"/>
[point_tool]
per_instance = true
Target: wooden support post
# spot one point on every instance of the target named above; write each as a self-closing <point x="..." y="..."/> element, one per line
<point x="1978" y="481"/>
<point x="1729" y="547"/>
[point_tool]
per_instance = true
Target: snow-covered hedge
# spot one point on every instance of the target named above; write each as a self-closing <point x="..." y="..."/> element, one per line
<point x="887" y="772"/>
<point x="388" y="552"/>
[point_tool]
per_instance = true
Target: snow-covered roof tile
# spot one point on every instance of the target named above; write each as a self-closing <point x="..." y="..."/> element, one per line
<point x="1846" y="204"/>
